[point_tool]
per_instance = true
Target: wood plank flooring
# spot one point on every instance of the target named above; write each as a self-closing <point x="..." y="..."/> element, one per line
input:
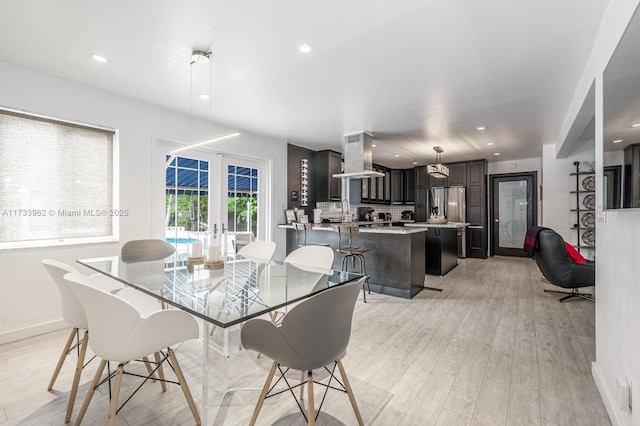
<point x="491" y="349"/>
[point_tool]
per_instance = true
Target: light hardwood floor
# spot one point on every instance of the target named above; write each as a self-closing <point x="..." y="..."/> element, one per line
<point x="491" y="349"/>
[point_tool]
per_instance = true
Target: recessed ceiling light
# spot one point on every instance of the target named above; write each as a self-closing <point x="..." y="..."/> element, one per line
<point x="99" y="58"/>
<point x="415" y="162"/>
<point x="496" y="153"/>
<point x="305" y="48"/>
<point x="373" y="145"/>
<point x="617" y="141"/>
<point x="635" y="125"/>
<point x="489" y="143"/>
<point x="203" y="96"/>
<point x="397" y="155"/>
<point x="480" y="128"/>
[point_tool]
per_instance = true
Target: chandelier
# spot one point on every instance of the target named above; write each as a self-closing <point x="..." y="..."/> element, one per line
<point x="438" y="170"/>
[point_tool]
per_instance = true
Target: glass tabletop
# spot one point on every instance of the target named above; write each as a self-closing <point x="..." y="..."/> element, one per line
<point x="241" y="290"/>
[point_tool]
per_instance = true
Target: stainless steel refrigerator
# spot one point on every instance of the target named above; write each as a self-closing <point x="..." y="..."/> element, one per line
<point x="450" y="203"/>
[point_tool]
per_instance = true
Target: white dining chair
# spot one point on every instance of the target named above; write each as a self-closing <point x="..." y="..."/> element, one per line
<point x="311" y="258"/>
<point x="121" y="333"/>
<point x="314" y="256"/>
<point x="73" y="314"/>
<point x="258" y="251"/>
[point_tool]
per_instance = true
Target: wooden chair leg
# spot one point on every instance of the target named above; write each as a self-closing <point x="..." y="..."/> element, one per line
<point x="92" y="388"/>
<point x="311" y="412"/>
<point x="352" y="398"/>
<point x="76" y="376"/>
<point x="160" y="370"/>
<point x="147" y="365"/>
<point x="63" y="356"/>
<point x="184" y="386"/>
<point x="263" y="394"/>
<point x="301" y="385"/>
<point x="113" y="406"/>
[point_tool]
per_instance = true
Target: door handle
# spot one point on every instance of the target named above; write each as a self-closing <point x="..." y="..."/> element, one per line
<point x="497" y="220"/>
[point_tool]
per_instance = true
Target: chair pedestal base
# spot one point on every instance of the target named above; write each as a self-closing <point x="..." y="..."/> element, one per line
<point x="573" y="293"/>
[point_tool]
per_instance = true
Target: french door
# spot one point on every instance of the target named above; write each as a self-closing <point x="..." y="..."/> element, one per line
<point x="211" y="195"/>
<point x="514" y="210"/>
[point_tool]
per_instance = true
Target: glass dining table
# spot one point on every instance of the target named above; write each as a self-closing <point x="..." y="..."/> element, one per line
<point x="240" y="290"/>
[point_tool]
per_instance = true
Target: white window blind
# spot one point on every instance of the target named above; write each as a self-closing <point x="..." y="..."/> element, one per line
<point x="56" y="182"/>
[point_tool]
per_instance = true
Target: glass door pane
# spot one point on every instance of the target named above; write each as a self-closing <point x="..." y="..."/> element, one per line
<point x="513" y="204"/>
<point x="186" y="202"/>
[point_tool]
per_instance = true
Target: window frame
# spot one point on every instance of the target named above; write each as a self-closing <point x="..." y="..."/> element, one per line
<point x="115" y="189"/>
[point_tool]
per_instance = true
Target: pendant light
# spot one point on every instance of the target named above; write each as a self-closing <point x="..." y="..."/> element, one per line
<point x="438" y="170"/>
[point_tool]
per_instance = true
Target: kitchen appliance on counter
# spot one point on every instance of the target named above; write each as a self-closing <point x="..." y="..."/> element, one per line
<point x="408" y="215"/>
<point x="365" y="214"/>
<point x="450" y="203"/>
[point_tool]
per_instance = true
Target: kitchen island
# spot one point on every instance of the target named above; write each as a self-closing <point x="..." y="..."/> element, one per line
<point x="441" y="243"/>
<point x="395" y="264"/>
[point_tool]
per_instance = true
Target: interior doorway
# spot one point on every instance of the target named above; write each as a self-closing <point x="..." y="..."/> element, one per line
<point x="513" y="210"/>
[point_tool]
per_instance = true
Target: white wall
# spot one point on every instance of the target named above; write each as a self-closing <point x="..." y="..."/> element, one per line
<point x="29" y="301"/>
<point x="618" y="246"/>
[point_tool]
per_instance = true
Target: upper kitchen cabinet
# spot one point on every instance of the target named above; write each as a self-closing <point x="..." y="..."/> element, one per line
<point x="409" y="186"/>
<point x="403" y="186"/>
<point x="457" y="174"/>
<point x="397" y="186"/>
<point x="328" y="163"/>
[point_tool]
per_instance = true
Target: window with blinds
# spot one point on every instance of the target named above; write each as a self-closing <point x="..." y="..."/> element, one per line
<point x="56" y="182"/>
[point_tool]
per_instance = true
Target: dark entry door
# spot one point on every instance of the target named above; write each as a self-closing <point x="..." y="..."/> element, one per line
<point x="514" y="210"/>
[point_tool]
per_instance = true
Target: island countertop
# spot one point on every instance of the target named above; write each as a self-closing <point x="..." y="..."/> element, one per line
<point x="426" y="225"/>
<point x="404" y="230"/>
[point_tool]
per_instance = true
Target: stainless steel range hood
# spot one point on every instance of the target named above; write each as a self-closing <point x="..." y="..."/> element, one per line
<point x="358" y="157"/>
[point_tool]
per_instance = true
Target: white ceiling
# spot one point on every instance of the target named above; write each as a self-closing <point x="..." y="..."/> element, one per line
<point x="414" y="73"/>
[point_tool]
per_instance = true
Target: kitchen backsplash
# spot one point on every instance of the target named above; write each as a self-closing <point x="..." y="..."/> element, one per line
<point x="333" y="210"/>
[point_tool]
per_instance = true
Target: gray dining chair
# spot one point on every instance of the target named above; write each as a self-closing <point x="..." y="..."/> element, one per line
<point x="313" y="335"/>
<point x="146" y="250"/>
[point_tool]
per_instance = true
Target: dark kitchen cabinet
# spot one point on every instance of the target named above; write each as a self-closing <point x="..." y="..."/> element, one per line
<point x="397" y="186"/>
<point x="403" y="186"/>
<point x="409" y="186"/>
<point x="387" y="186"/>
<point x="422" y="180"/>
<point x="477" y="234"/>
<point x="364" y="190"/>
<point x="442" y="250"/>
<point x="328" y="163"/>
<point x="457" y="174"/>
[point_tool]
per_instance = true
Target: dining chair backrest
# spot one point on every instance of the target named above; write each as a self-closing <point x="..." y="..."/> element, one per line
<point x="315" y="256"/>
<point x="319" y="328"/>
<point x="72" y="311"/>
<point x="146" y="250"/>
<point x="313" y="334"/>
<point x="258" y="250"/>
<point x="119" y="332"/>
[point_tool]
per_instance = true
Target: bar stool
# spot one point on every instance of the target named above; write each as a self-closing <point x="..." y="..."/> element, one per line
<point x="351" y="252"/>
<point x="301" y="235"/>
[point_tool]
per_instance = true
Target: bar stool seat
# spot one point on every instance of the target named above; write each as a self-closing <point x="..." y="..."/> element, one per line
<point x="346" y="247"/>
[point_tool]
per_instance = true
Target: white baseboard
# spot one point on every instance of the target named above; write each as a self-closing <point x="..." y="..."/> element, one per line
<point x="607" y="397"/>
<point x="25" y="333"/>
